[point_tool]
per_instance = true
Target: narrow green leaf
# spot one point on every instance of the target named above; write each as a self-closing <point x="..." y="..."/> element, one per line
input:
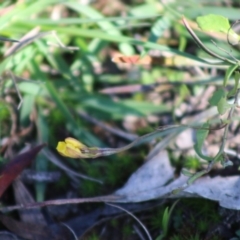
<point x="212" y="22"/>
<point x="216" y="97"/>
<point x="107" y="26"/>
<point x="32" y="88"/>
<point x="159" y="27"/>
<point x="73" y="126"/>
<point x="196" y="176"/>
<point x="219" y="99"/>
<point x="229" y="73"/>
<point x="223" y="105"/>
<point x="201" y="136"/>
<point x="26" y="109"/>
<point x="165" y="220"/>
<point x="89" y="33"/>
<point x="118" y="110"/>
<point x="236" y="79"/>
<point x="41" y="163"/>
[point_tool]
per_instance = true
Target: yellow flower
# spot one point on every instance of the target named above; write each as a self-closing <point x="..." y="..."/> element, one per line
<point x="72" y="148"/>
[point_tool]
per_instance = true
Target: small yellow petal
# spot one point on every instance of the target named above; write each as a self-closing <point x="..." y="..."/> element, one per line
<point x="61" y="148"/>
<point x="74" y="142"/>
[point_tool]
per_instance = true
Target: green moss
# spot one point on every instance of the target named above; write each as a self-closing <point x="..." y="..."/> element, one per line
<point x="93" y="236"/>
<point x="192" y="162"/>
<point x="113" y="171"/>
<point x="89" y="188"/>
<point x="156" y="220"/>
<point x="127" y="230"/>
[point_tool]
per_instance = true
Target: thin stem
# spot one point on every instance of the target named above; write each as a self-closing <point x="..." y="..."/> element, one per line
<point x="132" y="215"/>
<point x="221" y="150"/>
<point x="201" y="45"/>
<point x="225" y="51"/>
<point x="94" y="152"/>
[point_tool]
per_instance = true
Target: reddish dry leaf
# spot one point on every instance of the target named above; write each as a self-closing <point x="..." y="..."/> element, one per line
<point x="171" y="61"/>
<point x="11" y="170"/>
<point x="134" y="59"/>
<point x="138" y="59"/>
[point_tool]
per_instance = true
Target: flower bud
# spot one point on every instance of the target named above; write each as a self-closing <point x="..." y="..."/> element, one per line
<point x="72" y="148"/>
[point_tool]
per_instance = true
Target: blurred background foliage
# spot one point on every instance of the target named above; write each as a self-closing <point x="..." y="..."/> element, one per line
<point x="59" y="81"/>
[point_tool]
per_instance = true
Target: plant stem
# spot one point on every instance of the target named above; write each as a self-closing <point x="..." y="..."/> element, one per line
<point x="221" y="150"/>
<point x="201" y="45"/>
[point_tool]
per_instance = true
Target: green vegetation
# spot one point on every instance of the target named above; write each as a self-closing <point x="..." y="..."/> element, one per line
<point x="106" y="74"/>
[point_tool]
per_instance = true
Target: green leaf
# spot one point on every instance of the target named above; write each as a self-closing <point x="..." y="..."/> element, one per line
<point x="107" y="26"/>
<point x="41" y="162"/>
<point x="212" y="22"/>
<point x="229" y="73"/>
<point x="219" y="99"/>
<point x="159" y="27"/>
<point x="223" y="105"/>
<point x="118" y="110"/>
<point x="26" y="109"/>
<point x="80" y="133"/>
<point x="201" y="136"/>
<point x="216" y="97"/>
<point x="196" y="176"/>
<point x="165" y="220"/>
<point x="236" y="79"/>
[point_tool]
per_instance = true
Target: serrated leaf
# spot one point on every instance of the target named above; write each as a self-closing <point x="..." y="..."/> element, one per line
<point x="216" y="97"/>
<point x="201" y="136"/>
<point x="229" y="73"/>
<point x="212" y="22"/>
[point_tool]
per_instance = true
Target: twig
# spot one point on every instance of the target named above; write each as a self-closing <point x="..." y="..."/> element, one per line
<point x="7" y="39"/>
<point x="115" y="131"/>
<point x="109" y="198"/>
<point x="25" y="40"/>
<point x="31" y="37"/>
<point x="61" y="45"/>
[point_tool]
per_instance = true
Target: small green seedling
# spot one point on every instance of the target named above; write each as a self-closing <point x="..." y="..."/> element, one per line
<point x="165" y="221"/>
